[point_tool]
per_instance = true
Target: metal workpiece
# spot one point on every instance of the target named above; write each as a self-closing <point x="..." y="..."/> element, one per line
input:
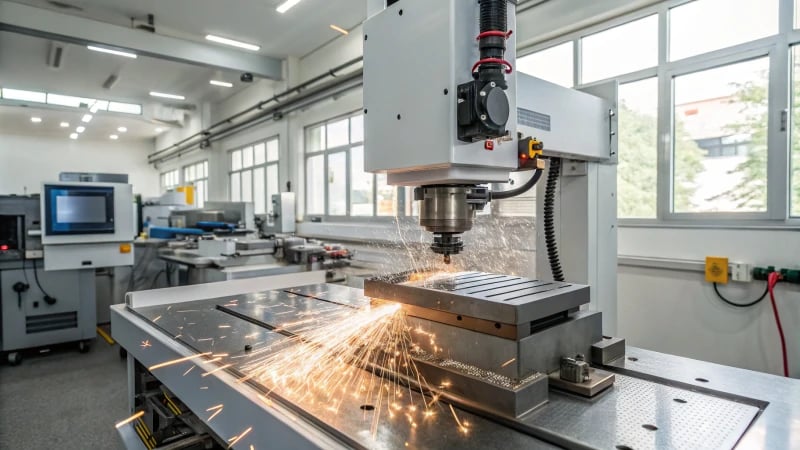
<point x="498" y="298"/>
<point x="607" y="350"/>
<point x="483" y="390"/>
<point x="540" y="352"/>
<point x="589" y="383"/>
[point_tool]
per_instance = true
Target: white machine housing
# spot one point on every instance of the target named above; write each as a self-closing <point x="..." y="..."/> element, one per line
<point x="281" y="219"/>
<point x="88" y="251"/>
<point x="580" y="127"/>
<point x="413" y="65"/>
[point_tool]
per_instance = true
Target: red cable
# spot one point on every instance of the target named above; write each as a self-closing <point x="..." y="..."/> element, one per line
<point x="493" y="61"/>
<point x="495" y="33"/>
<point x="773" y="279"/>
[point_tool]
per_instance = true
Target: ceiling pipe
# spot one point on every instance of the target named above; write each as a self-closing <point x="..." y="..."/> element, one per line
<point x="280" y="109"/>
<point x="203" y="135"/>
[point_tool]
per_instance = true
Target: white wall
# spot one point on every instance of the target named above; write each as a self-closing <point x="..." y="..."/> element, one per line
<point x="27" y="161"/>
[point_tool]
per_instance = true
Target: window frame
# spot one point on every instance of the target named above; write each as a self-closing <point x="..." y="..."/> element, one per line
<point x="252" y="169"/>
<point x="162" y="177"/>
<point x="777" y="48"/>
<point x="206" y="167"/>
<point x="325" y="152"/>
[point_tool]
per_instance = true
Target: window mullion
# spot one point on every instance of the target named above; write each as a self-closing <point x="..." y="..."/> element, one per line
<point x="778" y="141"/>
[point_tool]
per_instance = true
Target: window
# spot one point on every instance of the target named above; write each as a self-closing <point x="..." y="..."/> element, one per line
<point x="637" y="173"/>
<point x="720" y="139"/>
<point x="794" y="188"/>
<point x="702" y="26"/>
<point x="254" y="174"/>
<point x="336" y="183"/>
<point x="170" y="180"/>
<point x="623" y="49"/>
<point x="197" y="175"/>
<point x="707" y="132"/>
<point x="554" y="64"/>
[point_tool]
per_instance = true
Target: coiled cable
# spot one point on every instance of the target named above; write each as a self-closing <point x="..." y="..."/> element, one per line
<point x="549" y="219"/>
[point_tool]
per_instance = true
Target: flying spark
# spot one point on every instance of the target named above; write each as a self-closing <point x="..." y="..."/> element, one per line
<point x="130" y="419"/>
<point x="177" y="361"/>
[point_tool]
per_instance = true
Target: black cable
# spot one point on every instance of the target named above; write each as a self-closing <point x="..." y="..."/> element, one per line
<point x="741" y="305"/>
<point x="502" y="195"/>
<point x="25" y="271"/>
<point x="47" y="297"/>
<point x="155" y="280"/>
<point x="549" y="219"/>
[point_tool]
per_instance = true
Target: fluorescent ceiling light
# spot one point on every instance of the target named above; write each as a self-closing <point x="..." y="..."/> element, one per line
<point x="122" y="129"/>
<point x="163" y="95"/>
<point x="26" y="96"/>
<point x="68" y="100"/>
<point x="232" y="43"/>
<point x="112" y="52"/>
<point x="287" y="5"/>
<point x="64" y="124"/>
<point x="99" y="105"/>
<point x="127" y="108"/>
<point x="339" y="29"/>
<point x="36" y="119"/>
<point x="113" y="137"/>
<point x="86" y="118"/>
<point x="73" y="136"/>
<point x="221" y="83"/>
<point x="80" y="129"/>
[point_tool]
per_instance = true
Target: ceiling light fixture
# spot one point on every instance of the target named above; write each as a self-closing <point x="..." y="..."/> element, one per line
<point x="221" y="83"/>
<point x="163" y="95"/>
<point x="287" y="5"/>
<point x="232" y="43"/>
<point x="122" y="129"/>
<point x="80" y="129"/>
<point x="339" y="29"/>
<point x="86" y="118"/>
<point x="112" y="52"/>
<point x="25" y="96"/>
<point x="113" y="137"/>
<point x="73" y="136"/>
<point x="64" y="124"/>
<point x="159" y="130"/>
<point x="36" y="119"/>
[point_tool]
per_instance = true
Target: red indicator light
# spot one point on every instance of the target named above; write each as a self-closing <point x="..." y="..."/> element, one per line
<point x="3" y="248"/>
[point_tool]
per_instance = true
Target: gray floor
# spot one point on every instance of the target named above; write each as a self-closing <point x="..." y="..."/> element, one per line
<point x="63" y="399"/>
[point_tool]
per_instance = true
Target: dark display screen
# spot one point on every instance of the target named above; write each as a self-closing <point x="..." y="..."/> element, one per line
<point x="79" y="210"/>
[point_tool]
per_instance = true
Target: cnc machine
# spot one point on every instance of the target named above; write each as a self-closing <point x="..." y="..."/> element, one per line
<point x="437" y="357"/>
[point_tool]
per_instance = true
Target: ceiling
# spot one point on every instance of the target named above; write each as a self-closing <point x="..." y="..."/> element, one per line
<point x="297" y="32"/>
<point x="24" y="58"/>
<point x="23" y="65"/>
<point x="17" y="120"/>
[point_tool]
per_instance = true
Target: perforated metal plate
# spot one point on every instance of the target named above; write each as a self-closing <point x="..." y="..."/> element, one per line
<point x="641" y="414"/>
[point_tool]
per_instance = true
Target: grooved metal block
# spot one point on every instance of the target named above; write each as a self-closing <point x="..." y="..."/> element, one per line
<point x="498" y="298"/>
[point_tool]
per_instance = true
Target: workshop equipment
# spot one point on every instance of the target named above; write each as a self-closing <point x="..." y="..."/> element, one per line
<point x="199" y="344"/>
<point x="458" y="359"/>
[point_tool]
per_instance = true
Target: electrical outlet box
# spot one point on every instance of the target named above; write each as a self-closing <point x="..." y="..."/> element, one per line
<point x="741" y="272"/>
<point x="716" y="270"/>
